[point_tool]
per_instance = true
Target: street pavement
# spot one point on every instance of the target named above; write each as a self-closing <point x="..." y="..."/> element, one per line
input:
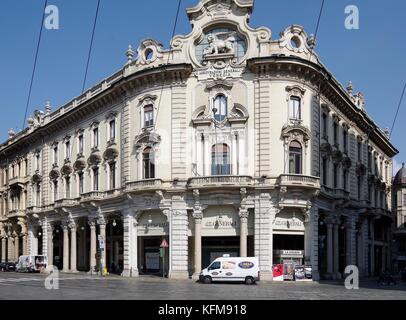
<point x="15" y="286"/>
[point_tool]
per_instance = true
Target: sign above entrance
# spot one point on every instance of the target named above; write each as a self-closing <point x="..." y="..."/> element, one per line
<point x="213" y="73"/>
<point x="164" y="244"/>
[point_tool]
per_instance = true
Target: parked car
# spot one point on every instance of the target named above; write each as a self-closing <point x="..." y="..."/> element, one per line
<point x="7" y="267"/>
<point x="31" y="263"/>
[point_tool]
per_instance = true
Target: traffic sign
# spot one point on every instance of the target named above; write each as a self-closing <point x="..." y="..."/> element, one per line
<point x="164" y="244"/>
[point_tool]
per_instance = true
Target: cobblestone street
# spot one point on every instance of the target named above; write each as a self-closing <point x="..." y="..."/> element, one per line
<point x="82" y="287"/>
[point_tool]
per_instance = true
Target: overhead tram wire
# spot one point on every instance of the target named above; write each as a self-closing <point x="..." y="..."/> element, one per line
<point x="167" y="62"/>
<point x="35" y="65"/>
<point x="91" y="45"/>
<point x="398" y="110"/>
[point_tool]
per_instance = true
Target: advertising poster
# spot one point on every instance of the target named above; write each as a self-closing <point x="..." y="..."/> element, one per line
<point x="278" y="273"/>
<point x="309" y="273"/>
<point x="289" y="271"/>
<point x="300" y="273"/>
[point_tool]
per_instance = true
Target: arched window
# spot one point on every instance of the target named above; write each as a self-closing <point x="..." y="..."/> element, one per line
<point x="295" y="108"/>
<point x="220" y="107"/>
<point x="221" y="164"/>
<point x="149" y="163"/>
<point x="295" y="158"/>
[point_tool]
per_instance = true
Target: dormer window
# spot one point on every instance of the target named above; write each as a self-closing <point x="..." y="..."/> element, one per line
<point x="220" y="108"/>
<point x="149" y="116"/>
<point x="295" y="108"/>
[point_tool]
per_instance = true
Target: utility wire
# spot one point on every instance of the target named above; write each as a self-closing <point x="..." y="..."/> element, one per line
<point x="169" y="56"/>
<point x="35" y="65"/>
<point x="397" y="112"/>
<point x="91" y="45"/>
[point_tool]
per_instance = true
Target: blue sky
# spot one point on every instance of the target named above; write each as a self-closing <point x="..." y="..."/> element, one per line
<point x="372" y="57"/>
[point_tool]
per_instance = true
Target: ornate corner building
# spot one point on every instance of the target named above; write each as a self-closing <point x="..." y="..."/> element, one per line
<point x="229" y="142"/>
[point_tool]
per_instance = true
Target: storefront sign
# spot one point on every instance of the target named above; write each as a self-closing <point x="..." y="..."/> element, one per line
<point x="221" y="223"/>
<point x="289" y="224"/>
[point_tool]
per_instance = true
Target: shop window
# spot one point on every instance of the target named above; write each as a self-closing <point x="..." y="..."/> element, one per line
<point x="295" y="158"/>
<point x="149" y="163"/>
<point x="295" y="108"/>
<point x="221" y="160"/>
<point x="220" y="108"/>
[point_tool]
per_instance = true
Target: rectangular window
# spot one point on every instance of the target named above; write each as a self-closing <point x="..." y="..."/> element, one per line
<point x="80" y="181"/>
<point x="67" y="185"/>
<point x="325" y="130"/>
<point x="335" y="133"/>
<point x="96" y="179"/>
<point x="55" y="155"/>
<point x="359" y="187"/>
<point x="149" y="116"/>
<point x="324" y="164"/>
<point x="55" y="191"/>
<point x="345" y="141"/>
<point x="112" y="126"/>
<point x="80" y="144"/>
<point x="359" y="151"/>
<point x="67" y="150"/>
<point x="37" y="162"/>
<point x="112" y="175"/>
<point x="96" y="137"/>
<point x="295" y="108"/>
<point x="345" y="180"/>
<point x="38" y="195"/>
<point x="335" y="176"/>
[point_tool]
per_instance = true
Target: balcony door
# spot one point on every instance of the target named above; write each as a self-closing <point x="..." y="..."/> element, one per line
<point x="221" y="160"/>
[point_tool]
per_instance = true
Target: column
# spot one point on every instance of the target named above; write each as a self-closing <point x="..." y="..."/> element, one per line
<point x="65" y="248"/>
<point x="330" y="249"/>
<point x="3" y="250"/>
<point x="336" y="250"/>
<point x="130" y="244"/>
<point x="102" y="227"/>
<point x="92" y="225"/>
<point x="112" y="249"/>
<point x="198" y="217"/>
<point x="312" y="240"/>
<point x="372" y="258"/>
<point x="350" y="242"/>
<point x="48" y="243"/>
<point x="73" y="247"/>
<point x="244" y="214"/>
<point x="10" y="253"/>
<point x="25" y="251"/>
<point x="16" y="247"/>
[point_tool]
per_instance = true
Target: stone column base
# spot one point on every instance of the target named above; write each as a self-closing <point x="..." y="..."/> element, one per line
<point x="316" y="276"/>
<point x="178" y="275"/>
<point x="130" y="273"/>
<point x="266" y="276"/>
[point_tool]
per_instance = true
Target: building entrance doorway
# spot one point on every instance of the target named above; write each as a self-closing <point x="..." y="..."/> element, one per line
<point x="289" y="248"/>
<point x="214" y="247"/>
<point x="153" y="260"/>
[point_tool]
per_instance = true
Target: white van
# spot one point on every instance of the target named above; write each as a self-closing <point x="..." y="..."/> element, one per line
<point x="232" y="270"/>
<point x="31" y="263"/>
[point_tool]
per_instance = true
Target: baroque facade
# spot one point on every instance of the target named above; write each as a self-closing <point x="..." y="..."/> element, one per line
<point x="228" y="143"/>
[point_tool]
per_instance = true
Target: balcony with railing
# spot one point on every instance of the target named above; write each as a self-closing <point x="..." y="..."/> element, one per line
<point x="92" y="196"/>
<point x="300" y="181"/>
<point x="18" y="181"/>
<point x="144" y="185"/>
<point x="220" y="181"/>
<point x="17" y="213"/>
<point x="339" y="194"/>
<point x="64" y="203"/>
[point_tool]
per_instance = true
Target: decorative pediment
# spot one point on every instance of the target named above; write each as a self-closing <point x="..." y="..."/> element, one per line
<point x="147" y="138"/>
<point x="298" y="132"/>
<point x="95" y="159"/>
<point x="295" y="39"/>
<point x="54" y="174"/>
<point x="36" y="178"/>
